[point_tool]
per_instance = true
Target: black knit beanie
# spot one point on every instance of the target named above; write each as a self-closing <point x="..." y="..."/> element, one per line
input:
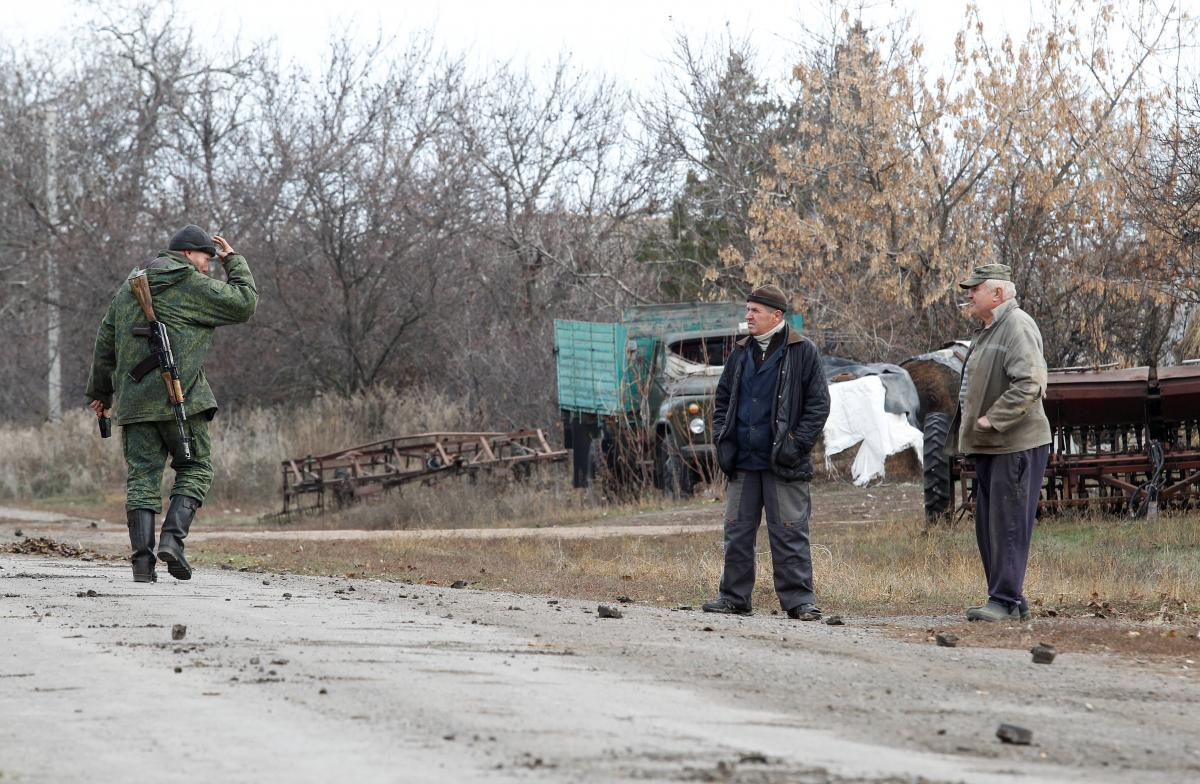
<point x="192" y="237"/>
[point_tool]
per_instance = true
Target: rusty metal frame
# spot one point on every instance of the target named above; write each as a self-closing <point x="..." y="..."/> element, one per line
<point x="1103" y="423"/>
<point x="351" y="474"/>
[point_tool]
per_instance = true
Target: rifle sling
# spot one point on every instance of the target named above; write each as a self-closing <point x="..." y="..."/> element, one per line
<point x="144" y="367"/>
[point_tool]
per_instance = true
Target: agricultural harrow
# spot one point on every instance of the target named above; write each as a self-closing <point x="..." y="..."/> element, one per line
<point x="312" y="482"/>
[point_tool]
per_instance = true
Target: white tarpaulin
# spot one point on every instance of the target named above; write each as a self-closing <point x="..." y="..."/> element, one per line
<point x="856" y="414"/>
<point x="678" y="368"/>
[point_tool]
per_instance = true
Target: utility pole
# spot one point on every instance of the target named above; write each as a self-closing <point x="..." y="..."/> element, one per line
<point x="53" y="313"/>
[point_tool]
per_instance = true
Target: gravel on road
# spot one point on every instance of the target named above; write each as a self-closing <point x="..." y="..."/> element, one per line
<point x="291" y="678"/>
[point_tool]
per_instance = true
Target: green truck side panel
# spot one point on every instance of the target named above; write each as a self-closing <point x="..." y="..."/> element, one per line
<point x="590" y="365"/>
<point x="598" y="374"/>
<point x="682" y="317"/>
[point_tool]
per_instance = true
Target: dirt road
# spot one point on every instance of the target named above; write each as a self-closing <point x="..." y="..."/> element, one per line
<point x="284" y="678"/>
<point x="836" y="504"/>
<point x="113" y="538"/>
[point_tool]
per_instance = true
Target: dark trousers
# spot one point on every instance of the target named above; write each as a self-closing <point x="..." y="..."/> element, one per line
<point x="788" y="508"/>
<point x="1007" y="489"/>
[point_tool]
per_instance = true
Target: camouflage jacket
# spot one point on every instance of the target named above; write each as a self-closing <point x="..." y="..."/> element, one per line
<point x="191" y="305"/>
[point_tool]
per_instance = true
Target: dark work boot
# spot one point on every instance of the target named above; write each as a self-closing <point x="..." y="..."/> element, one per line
<point x="805" y="612"/>
<point x="724" y="606"/>
<point x="141" y="538"/>
<point x="174" y="531"/>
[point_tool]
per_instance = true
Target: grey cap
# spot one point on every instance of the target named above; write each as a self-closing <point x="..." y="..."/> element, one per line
<point x="987" y="272"/>
<point x="192" y="237"/>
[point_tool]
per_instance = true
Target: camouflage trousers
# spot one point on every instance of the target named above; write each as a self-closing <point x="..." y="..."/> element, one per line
<point x="147" y="445"/>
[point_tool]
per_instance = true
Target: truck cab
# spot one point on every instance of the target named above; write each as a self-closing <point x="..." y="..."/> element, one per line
<point x="688" y="367"/>
<point x="636" y="396"/>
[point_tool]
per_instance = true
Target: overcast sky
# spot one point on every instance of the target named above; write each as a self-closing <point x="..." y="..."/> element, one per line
<point x="628" y="39"/>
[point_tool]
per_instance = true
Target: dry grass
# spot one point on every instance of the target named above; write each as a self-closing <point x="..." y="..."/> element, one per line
<point x="879" y="568"/>
<point x="546" y="498"/>
<point x="1135" y="567"/>
<point x="884" y="569"/>
<point x="69" y="459"/>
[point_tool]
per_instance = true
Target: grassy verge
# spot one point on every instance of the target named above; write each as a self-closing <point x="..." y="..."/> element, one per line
<point x="1077" y="567"/>
<point x="546" y="499"/>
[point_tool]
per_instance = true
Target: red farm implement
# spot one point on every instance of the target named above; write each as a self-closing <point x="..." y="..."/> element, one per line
<point x="1125" y="441"/>
<point x="310" y="483"/>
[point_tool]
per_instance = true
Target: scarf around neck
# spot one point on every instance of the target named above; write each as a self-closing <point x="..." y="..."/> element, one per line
<point x="764" y="340"/>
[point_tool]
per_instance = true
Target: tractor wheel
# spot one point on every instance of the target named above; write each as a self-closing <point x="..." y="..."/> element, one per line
<point x="939" y="492"/>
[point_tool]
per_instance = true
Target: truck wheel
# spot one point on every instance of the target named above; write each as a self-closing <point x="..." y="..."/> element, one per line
<point x="678" y="481"/>
<point x="584" y="451"/>
<point x="938" y="489"/>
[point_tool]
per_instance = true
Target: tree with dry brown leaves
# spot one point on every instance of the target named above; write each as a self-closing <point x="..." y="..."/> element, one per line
<point x="899" y="182"/>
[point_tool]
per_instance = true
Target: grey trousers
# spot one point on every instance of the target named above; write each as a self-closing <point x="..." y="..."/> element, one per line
<point x="788" y="506"/>
<point x="1007" y="489"/>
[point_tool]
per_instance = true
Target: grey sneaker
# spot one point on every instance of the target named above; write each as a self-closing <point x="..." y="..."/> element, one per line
<point x="1025" y="613"/>
<point x="993" y="611"/>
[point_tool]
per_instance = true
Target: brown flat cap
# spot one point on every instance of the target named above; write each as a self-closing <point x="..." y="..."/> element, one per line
<point x="771" y="296"/>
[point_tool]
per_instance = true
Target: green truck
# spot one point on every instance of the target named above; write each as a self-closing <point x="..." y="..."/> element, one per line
<point x="636" y="397"/>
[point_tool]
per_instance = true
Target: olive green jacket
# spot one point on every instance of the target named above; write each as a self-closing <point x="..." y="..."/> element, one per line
<point x="1005" y="376"/>
<point x="191" y="305"/>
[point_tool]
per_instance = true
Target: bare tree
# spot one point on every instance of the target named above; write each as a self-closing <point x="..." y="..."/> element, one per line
<point x="713" y="123"/>
<point x="552" y="165"/>
<point x="1164" y="185"/>
<point x="377" y="200"/>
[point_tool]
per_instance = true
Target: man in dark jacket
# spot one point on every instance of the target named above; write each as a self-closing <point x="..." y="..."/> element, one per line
<point x="771" y="405"/>
<point x="191" y="305"/>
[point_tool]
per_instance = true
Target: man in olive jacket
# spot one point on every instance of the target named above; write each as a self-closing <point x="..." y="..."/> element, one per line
<point x="1002" y="425"/>
<point x="191" y="305"/>
<point x="771" y="405"/>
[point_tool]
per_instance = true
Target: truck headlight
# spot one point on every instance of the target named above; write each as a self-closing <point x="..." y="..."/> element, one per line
<point x="696" y="425"/>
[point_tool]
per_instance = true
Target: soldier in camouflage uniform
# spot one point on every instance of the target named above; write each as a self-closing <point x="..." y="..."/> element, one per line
<point x="191" y="305"/>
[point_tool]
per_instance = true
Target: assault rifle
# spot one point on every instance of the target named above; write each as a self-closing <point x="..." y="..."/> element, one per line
<point x="160" y="357"/>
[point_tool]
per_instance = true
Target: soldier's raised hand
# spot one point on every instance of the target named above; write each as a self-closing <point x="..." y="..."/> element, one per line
<point x="223" y="246"/>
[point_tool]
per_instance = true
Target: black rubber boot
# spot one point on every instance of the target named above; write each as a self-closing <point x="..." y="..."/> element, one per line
<point x="174" y="531"/>
<point x="141" y="538"/>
